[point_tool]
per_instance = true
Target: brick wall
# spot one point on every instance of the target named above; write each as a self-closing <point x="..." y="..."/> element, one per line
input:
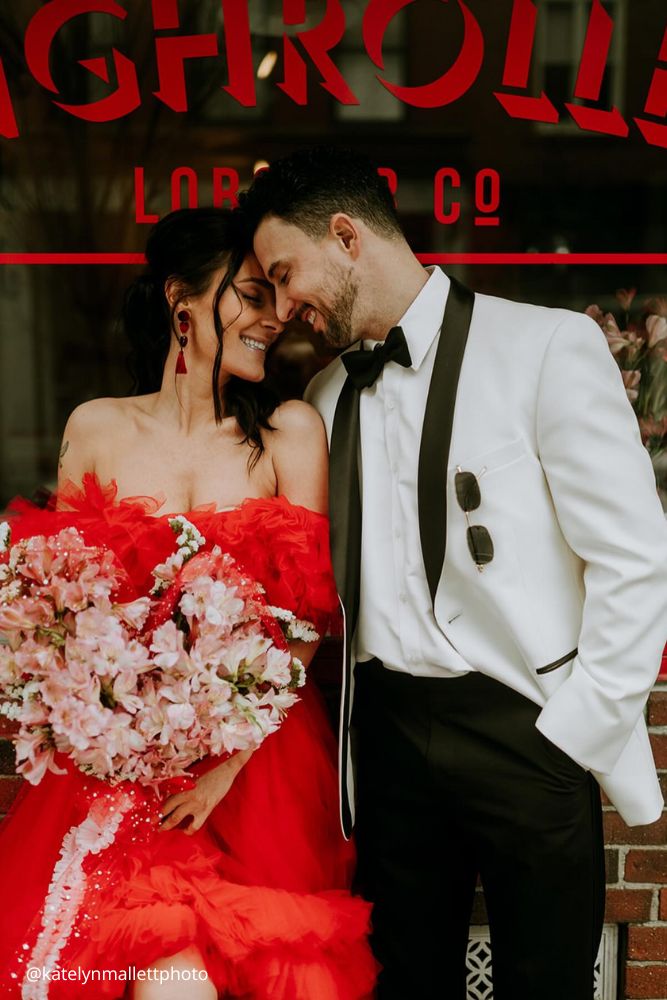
<point x="636" y="859"/>
<point x="637" y="878"/>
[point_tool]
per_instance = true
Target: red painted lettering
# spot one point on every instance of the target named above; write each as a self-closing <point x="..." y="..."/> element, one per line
<point x="39" y="38"/>
<point x="454" y="83"/>
<point x="317" y="42"/>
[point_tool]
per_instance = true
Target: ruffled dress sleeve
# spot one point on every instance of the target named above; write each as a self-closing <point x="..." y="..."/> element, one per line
<point x="126" y="527"/>
<point x="286" y="548"/>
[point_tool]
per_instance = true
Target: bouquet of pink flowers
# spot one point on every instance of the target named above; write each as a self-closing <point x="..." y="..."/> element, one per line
<point x="138" y="691"/>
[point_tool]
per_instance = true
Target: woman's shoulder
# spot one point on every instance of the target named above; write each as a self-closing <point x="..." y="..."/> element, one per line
<point x="295" y="417"/>
<point x="96" y="413"/>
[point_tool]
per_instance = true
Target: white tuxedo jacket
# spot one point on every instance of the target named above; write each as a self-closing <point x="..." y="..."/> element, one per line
<point x="572" y="611"/>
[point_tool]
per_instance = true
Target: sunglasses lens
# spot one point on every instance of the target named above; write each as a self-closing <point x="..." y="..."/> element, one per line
<point x="480" y="545"/>
<point x="467" y="491"/>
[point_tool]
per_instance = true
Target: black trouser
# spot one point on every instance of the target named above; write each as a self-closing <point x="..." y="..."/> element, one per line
<point x="455" y="780"/>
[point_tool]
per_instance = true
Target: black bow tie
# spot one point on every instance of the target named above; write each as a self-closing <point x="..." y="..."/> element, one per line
<point x="363" y="367"/>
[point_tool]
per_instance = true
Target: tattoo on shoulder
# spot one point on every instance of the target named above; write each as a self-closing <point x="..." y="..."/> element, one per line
<point x="63" y="452"/>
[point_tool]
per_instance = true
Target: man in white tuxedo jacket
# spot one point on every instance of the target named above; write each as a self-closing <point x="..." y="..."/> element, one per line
<point x="501" y="556"/>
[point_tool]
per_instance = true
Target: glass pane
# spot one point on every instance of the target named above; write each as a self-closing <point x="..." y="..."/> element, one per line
<point x="558" y="83"/>
<point x="560" y="33"/>
<point x="377" y="104"/>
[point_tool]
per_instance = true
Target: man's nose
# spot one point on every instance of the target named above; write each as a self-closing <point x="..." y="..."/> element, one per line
<point x="284" y="307"/>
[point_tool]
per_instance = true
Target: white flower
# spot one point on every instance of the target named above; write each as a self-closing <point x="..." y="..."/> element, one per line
<point x="302" y="630"/>
<point x="213" y="601"/>
<point x="293" y="627"/>
<point x="298" y="673"/>
<point x="5" y="535"/>
<point x="278" y="669"/>
<point x="282" y="614"/>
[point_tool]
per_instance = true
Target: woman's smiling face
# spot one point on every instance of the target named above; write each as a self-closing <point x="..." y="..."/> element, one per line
<point x="250" y="325"/>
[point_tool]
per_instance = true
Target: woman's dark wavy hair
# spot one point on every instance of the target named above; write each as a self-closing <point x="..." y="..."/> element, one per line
<point x="188" y="247"/>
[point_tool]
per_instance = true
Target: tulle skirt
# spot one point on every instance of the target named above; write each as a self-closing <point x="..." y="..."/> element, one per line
<point x="262" y="890"/>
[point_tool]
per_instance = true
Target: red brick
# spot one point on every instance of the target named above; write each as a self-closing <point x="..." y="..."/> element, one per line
<point x="646" y="866"/>
<point x="659" y="744"/>
<point x="616" y="832"/>
<point x="645" y="981"/>
<point x="8" y="790"/>
<point x="7" y="728"/>
<point x="612" y="864"/>
<point x="657" y="709"/>
<point x="647" y="944"/>
<point x="663" y="904"/>
<point x="628" y="905"/>
<point x="7" y="757"/>
<point x="663" y="783"/>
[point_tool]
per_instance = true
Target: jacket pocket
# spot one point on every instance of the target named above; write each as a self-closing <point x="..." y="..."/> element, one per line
<point x="555" y="664"/>
<point x="489" y="461"/>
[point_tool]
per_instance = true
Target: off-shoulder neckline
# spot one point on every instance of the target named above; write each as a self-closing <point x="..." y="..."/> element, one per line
<point x="108" y="493"/>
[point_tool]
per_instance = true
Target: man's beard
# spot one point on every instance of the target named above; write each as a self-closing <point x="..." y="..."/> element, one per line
<point x="338" y="330"/>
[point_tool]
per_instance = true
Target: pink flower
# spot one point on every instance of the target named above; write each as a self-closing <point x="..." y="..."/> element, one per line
<point x="124" y="690"/>
<point x="617" y="341"/>
<point x="167" y="644"/>
<point x="120" y="738"/>
<point x="657" y="330"/>
<point x="10" y="671"/>
<point x="212" y="601"/>
<point x="66" y="594"/>
<point x="180" y="716"/>
<point x="658" y="306"/>
<point x="26" y="614"/>
<point x="652" y="428"/>
<point x="35" y="755"/>
<point x="78" y="721"/>
<point x="36" y="559"/>
<point x="626" y="297"/>
<point x="596" y="313"/>
<point x="243" y="652"/>
<point x="134" y="614"/>
<point x="631" y="380"/>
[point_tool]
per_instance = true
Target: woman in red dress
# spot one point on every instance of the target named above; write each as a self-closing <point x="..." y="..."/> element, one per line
<point x="244" y="891"/>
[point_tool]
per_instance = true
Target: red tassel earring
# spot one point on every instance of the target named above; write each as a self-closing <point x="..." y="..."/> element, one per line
<point x="184" y="325"/>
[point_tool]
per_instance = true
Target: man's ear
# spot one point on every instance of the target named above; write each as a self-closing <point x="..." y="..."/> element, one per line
<point x="346" y="232"/>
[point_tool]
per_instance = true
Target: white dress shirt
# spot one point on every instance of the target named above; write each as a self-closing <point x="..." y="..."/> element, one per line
<point x="396" y="622"/>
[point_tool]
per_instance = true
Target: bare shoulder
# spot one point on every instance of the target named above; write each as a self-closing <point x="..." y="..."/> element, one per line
<point x="299" y="454"/>
<point x="102" y="414"/>
<point x="90" y="431"/>
<point x="295" y="418"/>
<point x="94" y="413"/>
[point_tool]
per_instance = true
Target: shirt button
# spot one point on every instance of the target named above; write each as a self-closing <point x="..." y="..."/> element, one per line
<point x="397" y="532"/>
<point x="390" y="403"/>
<point x="413" y="659"/>
<point x="403" y="598"/>
<point x="394" y="468"/>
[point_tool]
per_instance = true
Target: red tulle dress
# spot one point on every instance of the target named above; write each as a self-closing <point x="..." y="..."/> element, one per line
<point x="263" y="889"/>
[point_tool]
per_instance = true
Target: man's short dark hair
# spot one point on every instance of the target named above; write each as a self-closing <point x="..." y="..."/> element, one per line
<point x="310" y="185"/>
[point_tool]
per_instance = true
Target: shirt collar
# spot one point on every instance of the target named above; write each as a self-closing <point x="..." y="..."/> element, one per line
<point x="422" y="320"/>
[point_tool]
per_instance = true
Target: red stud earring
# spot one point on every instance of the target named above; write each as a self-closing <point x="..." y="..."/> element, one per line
<point x="183" y="317"/>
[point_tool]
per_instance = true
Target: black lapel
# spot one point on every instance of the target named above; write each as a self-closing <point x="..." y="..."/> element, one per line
<point x="345" y="533"/>
<point x="345" y="501"/>
<point x="437" y="431"/>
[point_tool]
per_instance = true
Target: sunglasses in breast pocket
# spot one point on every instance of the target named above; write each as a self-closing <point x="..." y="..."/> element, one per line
<point x="469" y="497"/>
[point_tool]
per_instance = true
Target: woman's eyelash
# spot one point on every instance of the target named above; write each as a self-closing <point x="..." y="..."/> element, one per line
<point x="252" y="298"/>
